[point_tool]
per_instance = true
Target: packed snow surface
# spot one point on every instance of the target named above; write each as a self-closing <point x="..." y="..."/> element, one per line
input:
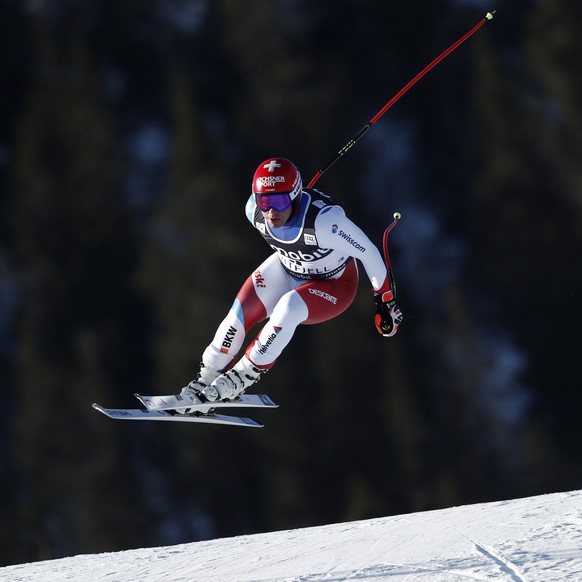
<point x="532" y="539"/>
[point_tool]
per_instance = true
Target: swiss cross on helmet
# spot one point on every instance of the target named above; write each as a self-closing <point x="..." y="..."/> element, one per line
<point x="277" y="176"/>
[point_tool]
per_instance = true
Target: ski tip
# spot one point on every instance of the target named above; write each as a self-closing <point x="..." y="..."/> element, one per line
<point x="142" y="399"/>
<point x="252" y="422"/>
<point x="268" y="401"/>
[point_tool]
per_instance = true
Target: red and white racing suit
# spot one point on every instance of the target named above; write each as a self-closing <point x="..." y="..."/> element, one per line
<point x="310" y="278"/>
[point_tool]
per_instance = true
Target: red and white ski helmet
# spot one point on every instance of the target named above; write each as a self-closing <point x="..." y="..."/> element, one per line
<point x="277" y="176"/>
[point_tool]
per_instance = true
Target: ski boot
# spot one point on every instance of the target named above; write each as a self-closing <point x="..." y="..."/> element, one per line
<point x="195" y="389"/>
<point x="234" y="382"/>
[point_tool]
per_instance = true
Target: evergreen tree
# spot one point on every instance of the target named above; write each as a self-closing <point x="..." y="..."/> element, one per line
<point x="553" y="49"/>
<point x="72" y="241"/>
<point x="194" y="261"/>
<point x="526" y="217"/>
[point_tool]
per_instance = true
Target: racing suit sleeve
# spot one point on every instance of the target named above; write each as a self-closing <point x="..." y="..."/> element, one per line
<point x="334" y="230"/>
<point x="250" y="208"/>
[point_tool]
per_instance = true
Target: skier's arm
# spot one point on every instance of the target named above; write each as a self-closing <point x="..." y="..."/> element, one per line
<point x="335" y="230"/>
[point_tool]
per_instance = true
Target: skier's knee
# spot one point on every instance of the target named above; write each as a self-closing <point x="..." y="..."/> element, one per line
<point x="290" y="309"/>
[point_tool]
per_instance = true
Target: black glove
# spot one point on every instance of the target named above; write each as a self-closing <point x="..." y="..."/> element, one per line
<point x="388" y="315"/>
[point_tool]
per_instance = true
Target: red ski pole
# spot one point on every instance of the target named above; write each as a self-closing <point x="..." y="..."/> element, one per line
<point x="404" y="89"/>
<point x="397" y="217"/>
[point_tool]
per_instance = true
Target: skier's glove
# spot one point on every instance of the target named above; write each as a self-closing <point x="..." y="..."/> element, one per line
<point x="388" y="315"/>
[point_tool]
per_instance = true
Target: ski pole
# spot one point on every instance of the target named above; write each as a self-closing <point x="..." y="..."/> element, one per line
<point x="404" y="89"/>
<point x="397" y="216"/>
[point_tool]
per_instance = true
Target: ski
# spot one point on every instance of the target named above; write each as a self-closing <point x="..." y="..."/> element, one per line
<point x="172" y="416"/>
<point x="177" y="402"/>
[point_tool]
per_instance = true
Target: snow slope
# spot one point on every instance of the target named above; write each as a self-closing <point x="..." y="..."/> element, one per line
<point x="532" y="539"/>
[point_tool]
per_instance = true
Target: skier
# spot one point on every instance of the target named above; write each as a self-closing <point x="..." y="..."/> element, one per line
<point x="311" y="277"/>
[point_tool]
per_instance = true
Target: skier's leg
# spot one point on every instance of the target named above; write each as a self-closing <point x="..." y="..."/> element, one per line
<point x="311" y="302"/>
<point x="260" y="356"/>
<point x="327" y="298"/>
<point x="254" y="303"/>
<point x="276" y="334"/>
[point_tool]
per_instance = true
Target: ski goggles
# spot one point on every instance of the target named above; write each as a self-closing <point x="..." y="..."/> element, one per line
<point x="278" y="202"/>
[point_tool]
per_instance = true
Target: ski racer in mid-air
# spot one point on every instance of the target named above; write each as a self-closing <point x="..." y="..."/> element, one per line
<point x="311" y="277"/>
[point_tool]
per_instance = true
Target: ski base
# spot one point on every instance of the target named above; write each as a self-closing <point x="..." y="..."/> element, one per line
<point x="172" y="416"/>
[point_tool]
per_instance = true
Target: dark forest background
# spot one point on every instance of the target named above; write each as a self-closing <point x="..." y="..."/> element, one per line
<point x="129" y="132"/>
